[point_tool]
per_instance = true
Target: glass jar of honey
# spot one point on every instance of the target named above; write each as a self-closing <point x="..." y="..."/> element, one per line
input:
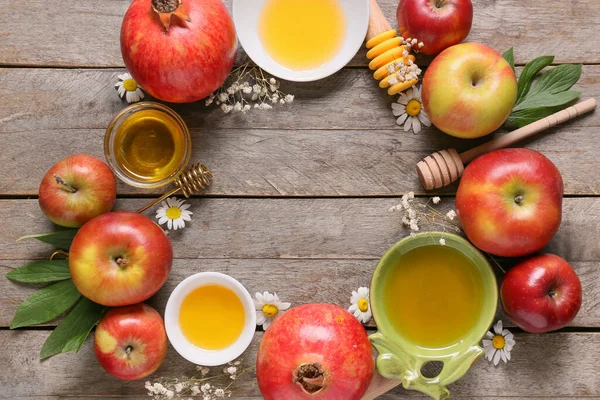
<point x="147" y="145"/>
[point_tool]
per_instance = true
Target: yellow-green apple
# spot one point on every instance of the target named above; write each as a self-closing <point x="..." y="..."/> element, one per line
<point x="131" y="342"/>
<point x="76" y="189"/>
<point x="541" y="294"/>
<point x="469" y="90"/>
<point x="437" y="23"/>
<point x="120" y="258"/>
<point x="509" y="202"/>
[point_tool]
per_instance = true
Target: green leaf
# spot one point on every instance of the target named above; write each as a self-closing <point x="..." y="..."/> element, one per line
<point x="545" y="99"/>
<point x="558" y="79"/>
<point x="530" y="71"/>
<point x="521" y="118"/>
<point x="70" y="334"/>
<point x="61" y="239"/>
<point x="509" y="56"/>
<point x="41" y="272"/>
<point x="46" y="304"/>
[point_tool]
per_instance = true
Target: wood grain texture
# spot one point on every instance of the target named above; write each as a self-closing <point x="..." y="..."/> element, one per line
<point x="338" y="138"/>
<point x="315" y="281"/>
<point x="345" y="228"/>
<point x="541" y="366"/>
<point x="32" y="34"/>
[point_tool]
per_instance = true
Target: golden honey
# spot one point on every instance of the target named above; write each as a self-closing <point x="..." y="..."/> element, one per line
<point x="302" y="34"/>
<point x="432" y="296"/>
<point x="149" y="145"/>
<point x="212" y="317"/>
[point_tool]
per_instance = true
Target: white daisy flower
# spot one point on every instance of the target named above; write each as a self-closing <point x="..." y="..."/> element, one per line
<point x="409" y="110"/>
<point x="268" y="307"/>
<point x="174" y="212"/>
<point x="498" y="345"/>
<point x="360" y="304"/>
<point x="128" y="88"/>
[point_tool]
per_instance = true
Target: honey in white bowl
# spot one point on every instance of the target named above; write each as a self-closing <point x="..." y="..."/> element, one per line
<point x="212" y="317"/>
<point x="302" y="34"/>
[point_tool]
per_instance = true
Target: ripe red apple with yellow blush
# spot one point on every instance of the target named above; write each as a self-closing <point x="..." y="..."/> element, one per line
<point x="77" y="189"/>
<point x="509" y="202"/>
<point x="541" y="294"/>
<point x="120" y="258"/>
<point x="437" y="23"/>
<point x="131" y="342"/>
<point x="469" y="90"/>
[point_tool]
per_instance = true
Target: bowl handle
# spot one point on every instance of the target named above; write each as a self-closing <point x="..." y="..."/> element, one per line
<point x="393" y="362"/>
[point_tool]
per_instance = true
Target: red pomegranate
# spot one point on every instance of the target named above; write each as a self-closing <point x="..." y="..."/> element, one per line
<point x="178" y="50"/>
<point x="315" y="351"/>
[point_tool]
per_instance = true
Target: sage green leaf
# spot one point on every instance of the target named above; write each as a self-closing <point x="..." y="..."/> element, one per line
<point x="60" y="239"/>
<point x="71" y="333"/>
<point x="44" y="271"/>
<point x="530" y="71"/>
<point x="545" y="99"/>
<point x="46" y="304"/>
<point x="509" y="56"/>
<point x="558" y="79"/>
<point x="521" y="118"/>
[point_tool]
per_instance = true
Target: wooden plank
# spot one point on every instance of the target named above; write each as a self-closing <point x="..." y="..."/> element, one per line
<point x="51" y="99"/>
<point x="344" y="228"/>
<point x="316" y="281"/>
<point x="92" y="39"/>
<point x="294" y="157"/>
<point x="541" y="366"/>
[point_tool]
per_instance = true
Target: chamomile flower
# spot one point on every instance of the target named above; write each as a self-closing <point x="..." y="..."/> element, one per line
<point x="360" y="304"/>
<point x="128" y="88"/>
<point x="409" y="110"/>
<point x="498" y="345"/>
<point x="174" y="212"/>
<point x="268" y="306"/>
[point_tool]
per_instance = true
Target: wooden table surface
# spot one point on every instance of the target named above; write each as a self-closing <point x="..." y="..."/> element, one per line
<point x="300" y="199"/>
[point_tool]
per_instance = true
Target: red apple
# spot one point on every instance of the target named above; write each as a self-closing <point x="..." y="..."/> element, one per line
<point x="437" y="23"/>
<point x="509" y="202"/>
<point x="469" y="90"/>
<point x="182" y="54"/>
<point x="541" y="294"/>
<point x="77" y="189"/>
<point x="120" y="258"/>
<point x="131" y="342"/>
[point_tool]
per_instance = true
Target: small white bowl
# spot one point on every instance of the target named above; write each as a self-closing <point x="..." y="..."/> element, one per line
<point x="183" y="346"/>
<point x="246" y="16"/>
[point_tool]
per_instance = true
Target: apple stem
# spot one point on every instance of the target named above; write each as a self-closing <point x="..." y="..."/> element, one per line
<point x="551" y="292"/>
<point x="122" y="262"/>
<point x="128" y="350"/>
<point x="519" y="199"/>
<point x="440" y="3"/>
<point x="64" y="185"/>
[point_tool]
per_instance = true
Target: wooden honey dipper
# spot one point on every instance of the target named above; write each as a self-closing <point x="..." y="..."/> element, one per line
<point x="446" y="166"/>
<point x="385" y="48"/>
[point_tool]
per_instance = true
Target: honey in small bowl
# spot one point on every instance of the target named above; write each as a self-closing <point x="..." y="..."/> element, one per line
<point x="147" y="145"/>
<point x="302" y="34"/>
<point x="212" y="317"/>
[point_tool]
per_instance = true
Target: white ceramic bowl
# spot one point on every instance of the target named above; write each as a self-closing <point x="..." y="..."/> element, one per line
<point x="246" y="16"/>
<point x="178" y="340"/>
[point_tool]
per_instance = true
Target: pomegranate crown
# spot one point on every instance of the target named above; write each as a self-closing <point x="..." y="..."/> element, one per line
<point x="167" y="8"/>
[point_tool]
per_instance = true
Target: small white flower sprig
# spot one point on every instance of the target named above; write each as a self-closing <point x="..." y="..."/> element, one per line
<point x="174" y="213"/>
<point x="423" y="216"/>
<point x="498" y="344"/>
<point x="128" y="89"/>
<point x="250" y="89"/>
<point x="404" y="72"/>
<point x="177" y="388"/>
<point x="360" y="306"/>
<point x="268" y="307"/>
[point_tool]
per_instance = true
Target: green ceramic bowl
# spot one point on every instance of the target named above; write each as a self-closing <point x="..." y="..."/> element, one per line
<point x="401" y="359"/>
